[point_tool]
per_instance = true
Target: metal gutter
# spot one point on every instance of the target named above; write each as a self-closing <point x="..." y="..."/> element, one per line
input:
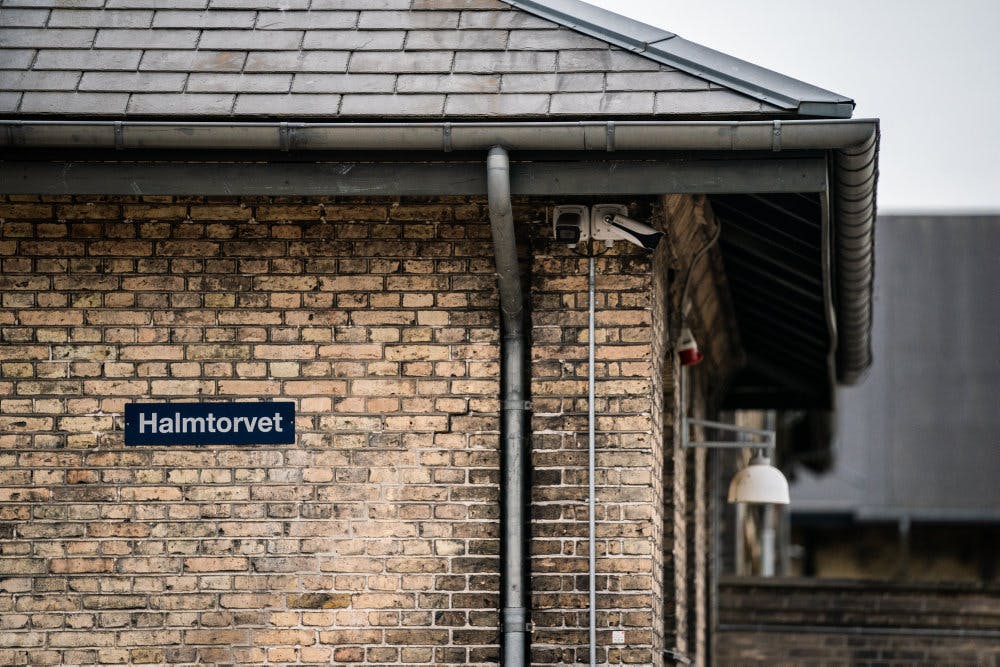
<point x="513" y="449"/>
<point x="769" y="135"/>
<point x="852" y="142"/>
<point x="667" y="48"/>
<point x="855" y="176"/>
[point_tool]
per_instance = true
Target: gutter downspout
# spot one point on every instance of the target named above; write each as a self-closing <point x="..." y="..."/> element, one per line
<point x="513" y="594"/>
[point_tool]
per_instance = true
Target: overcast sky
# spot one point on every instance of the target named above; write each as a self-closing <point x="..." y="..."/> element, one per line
<point x="930" y="70"/>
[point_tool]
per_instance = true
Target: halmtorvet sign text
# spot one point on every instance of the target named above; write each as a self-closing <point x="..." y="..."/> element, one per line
<point x="270" y="423"/>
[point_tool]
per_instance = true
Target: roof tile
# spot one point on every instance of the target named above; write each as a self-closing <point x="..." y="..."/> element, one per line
<point x="100" y="18"/>
<point x="203" y="19"/>
<point x="505" y="61"/>
<point x="298" y="61"/>
<point x="251" y="39"/>
<point x="460" y="4"/>
<point x="133" y="82"/>
<point x="602" y="103"/>
<point x="117" y="59"/>
<point x="705" y="102"/>
<point x="509" y="20"/>
<point x="550" y="40"/>
<point x="181" y="104"/>
<point x="249" y="104"/>
<point x="354" y="40"/>
<point x="40" y="37"/>
<point x="546" y="82"/>
<point x="408" y="20"/>
<point x="282" y="5"/>
<point x="288" y="58"/>
<point x="53" y="3"/>
<point x="14" y="80"/>
<point x="279" y="105"/>
<point x="669" y="80"/>
<point x="17" y="58"/>
<point x="400" y="61"/>
<point x="448" y="83"/>
<point x="611" y="60"/>
<point x="146" y="39"/>
<point x="239" y="83"/>
<point x="497" y="105"/>
<point x="317" y="20"/>
<point x="192" y="61"/>
<point x="27" y="18"/>
<point x="74" y="103"/>
<point x="392" y="105"/>
<point x="344" y="83"/>
<point x="155" y="4"/>
<point x="481" y="40"/>
<point x="9" y="101"/>
<point x="361" y="4"/>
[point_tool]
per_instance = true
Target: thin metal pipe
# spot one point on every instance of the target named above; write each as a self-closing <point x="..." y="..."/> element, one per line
<point x="514" y="594"/>
<point x="687" y="276"/>
<point x="591" y="466"/>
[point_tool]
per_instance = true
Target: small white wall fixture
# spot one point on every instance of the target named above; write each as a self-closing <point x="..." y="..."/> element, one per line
<point x="759" y="482"/>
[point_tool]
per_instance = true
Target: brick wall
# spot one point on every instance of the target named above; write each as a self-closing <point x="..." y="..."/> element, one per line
<point x="627" y="456"/>
<point x="710" y="315"/>
<point x="800" y="621"/>
<point x="373" y="539"/>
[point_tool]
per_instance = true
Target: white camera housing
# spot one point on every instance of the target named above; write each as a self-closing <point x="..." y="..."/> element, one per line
<point x="574" y="223"/>
<point x="571" y="224"/>
<point x="610" y="223"/>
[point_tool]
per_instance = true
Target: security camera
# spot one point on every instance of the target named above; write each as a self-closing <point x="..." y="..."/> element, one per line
<point x="610" y="223"/>
<point x="633" y="231"/>
<point x="571" y="224"/>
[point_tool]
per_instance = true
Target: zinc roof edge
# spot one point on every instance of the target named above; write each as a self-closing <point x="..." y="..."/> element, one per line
<point x="670" y="49"/>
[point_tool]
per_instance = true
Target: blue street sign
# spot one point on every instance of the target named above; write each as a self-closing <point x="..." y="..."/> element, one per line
<point x="270" y="423"/>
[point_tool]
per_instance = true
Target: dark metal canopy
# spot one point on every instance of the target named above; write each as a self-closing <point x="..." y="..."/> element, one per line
<point x="772" y="246"/>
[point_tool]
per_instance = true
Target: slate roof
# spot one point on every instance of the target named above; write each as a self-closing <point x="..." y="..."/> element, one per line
<point x="349" y="59"/>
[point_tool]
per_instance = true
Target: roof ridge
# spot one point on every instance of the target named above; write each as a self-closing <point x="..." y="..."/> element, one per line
<point x="670" y="49"/>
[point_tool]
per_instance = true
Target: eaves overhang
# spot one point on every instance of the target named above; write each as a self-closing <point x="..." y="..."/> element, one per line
<point x="834" y="159"/>
<point x="667" y="48"/>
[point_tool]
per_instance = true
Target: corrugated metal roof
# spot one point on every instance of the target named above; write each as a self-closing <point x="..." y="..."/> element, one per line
<point x="920" y="436"/>
<point x="772" y="246"/>
<point x="353" y="59"/>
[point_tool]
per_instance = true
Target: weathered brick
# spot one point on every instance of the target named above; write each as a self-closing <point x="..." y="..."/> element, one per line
<point x="215" y="564"/>
<point x="379" y="318"/>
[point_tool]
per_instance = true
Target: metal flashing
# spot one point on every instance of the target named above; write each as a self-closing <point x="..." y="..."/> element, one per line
<point x="670" y="49"/>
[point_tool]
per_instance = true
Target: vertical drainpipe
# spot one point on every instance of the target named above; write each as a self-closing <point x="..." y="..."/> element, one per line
<point x="513" y="406"/>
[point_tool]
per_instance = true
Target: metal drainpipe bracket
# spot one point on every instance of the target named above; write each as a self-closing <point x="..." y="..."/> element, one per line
<point x="768" y="444"/>
<point x="284" y="138"/>
<point x="446" y="137"/>
<point x="676" y="656"/>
